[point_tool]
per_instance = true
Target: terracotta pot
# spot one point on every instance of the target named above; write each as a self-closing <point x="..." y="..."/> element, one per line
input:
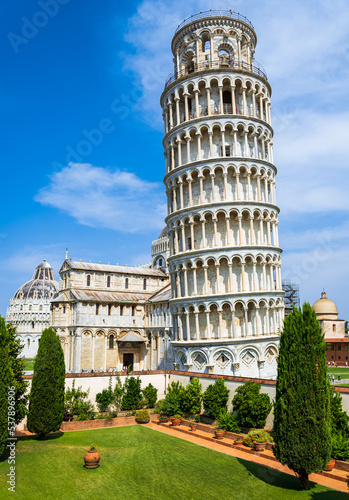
<point x="331" y="464"/>
<point x="162" y="420"/>
<point x="176" y="421"/>
<point x="238" y="442"/>
<point x="92" y="458"/>
<point x="259" y="446"/>
<point x="193" y="427"/>
<point x="219" y="434"/>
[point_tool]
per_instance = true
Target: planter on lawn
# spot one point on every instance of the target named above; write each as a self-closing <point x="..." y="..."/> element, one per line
<point x="92" y="458"/>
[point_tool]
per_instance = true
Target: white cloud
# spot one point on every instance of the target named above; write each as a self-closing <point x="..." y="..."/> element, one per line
<point x="106" y="198"/>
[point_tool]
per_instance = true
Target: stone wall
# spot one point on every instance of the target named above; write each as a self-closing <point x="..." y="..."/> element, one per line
<point x="95" y="383"/>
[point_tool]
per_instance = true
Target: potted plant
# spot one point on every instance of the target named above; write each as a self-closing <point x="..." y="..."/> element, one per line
<point x="331" y="464"/>
<point x="176" y="420"/>
<point x="219" y="433"/>
<point x="142" y="416"/>
<point x="162" y="419"/>
<point x="92" y="458"/>
<point x="259" y="444"/>
<point x="238" y="441"/>
<point x="193" y="426"/>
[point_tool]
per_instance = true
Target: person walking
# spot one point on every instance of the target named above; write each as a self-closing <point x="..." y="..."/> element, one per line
<point x="332" y="379"/>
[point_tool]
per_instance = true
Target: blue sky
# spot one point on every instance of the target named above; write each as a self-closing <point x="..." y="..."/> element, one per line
<point x="82" y="84"/>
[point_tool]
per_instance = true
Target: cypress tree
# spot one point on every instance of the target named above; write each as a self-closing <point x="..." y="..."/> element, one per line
<point x="6" y="381"/>
<point x="302" y="417"/>
<point x="46" y="401"/>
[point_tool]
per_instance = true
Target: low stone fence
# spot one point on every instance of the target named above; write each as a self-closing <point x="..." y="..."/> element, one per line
<point x="98" y="423"/>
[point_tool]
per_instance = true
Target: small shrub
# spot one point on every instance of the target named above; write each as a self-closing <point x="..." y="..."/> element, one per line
<point x="172" y="404"/>
<point x="150" y="393"/>
<point x="250" y="407"/>
<point x="81" y="417"/>
<point x="191" y="397"/>
<point x="158" y="406"/>
<point x="118" y="393"/>
<point x="339" y="418"/>
<point x="76" y="403"/>
<point x="340" y="447"/>
<point x="258" y="435"/>
<point x="177" y="416"/>
<point x="227" y="421"/>
<point x="142" y="416"/>
<point x="133" y="395"/>
<point x="104" y="399"/>
<point x="215" y="398"/>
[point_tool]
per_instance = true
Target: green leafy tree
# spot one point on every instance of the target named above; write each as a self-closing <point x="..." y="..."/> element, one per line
<point x="250" y="407"/>
<point x="133" y="394"/>
<point x="46" y="402"/>
<point x="215" y="398"/>
<point x="151" y="394"/>
<point x="6" y="382"/>
<point x="17" y="368"/>
<point x="302" y="415"/>
<point x="192" y="397"/>
<point x="76" y="403"/>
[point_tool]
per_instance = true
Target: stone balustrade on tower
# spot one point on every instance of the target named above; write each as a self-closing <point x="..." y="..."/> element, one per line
<point x="225" y="259"/>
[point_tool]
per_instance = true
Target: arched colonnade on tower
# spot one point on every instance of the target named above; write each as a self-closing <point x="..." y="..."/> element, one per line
<point x="228" y="319"/>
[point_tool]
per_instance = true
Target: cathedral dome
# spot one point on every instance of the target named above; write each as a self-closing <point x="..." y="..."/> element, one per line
<point x="163" y="233"/>
<point x="43" y="284"/>
<point x="325" y="306"/>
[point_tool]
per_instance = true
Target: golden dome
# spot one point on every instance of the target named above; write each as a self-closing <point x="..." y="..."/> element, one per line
<point x="325" y="306"/>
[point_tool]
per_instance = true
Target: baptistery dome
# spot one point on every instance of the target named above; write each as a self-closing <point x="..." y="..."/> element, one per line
<point x="29" y="310"/>
<point x="42" y="285"/>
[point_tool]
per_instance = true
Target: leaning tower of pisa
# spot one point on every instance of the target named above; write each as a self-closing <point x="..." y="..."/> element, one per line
<point x="225" y="264"/>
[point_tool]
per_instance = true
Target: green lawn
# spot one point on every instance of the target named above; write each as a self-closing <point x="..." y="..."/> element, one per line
<point x="29" y="364"/>
<point x="138" y="463"/>
<point x="343" y="372"/>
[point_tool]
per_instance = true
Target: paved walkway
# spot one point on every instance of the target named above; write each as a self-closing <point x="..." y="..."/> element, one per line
<point x="268" y="460"/>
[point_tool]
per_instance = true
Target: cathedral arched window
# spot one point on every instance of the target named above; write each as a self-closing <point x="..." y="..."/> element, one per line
<point x="126" y="282"/>
<point x="88" y="280"/>
<point x="144" y="284"/>
<point x="111" y="342"/>
<point x="108" y="281"/>
<point x="28" y="342"/>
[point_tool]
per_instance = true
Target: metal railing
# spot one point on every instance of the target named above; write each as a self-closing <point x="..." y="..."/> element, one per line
<point x="214" y="13"/>
<point x="225" y="64"/>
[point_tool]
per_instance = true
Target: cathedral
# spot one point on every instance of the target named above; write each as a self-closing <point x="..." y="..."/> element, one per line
<point x="211" y="300"/>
